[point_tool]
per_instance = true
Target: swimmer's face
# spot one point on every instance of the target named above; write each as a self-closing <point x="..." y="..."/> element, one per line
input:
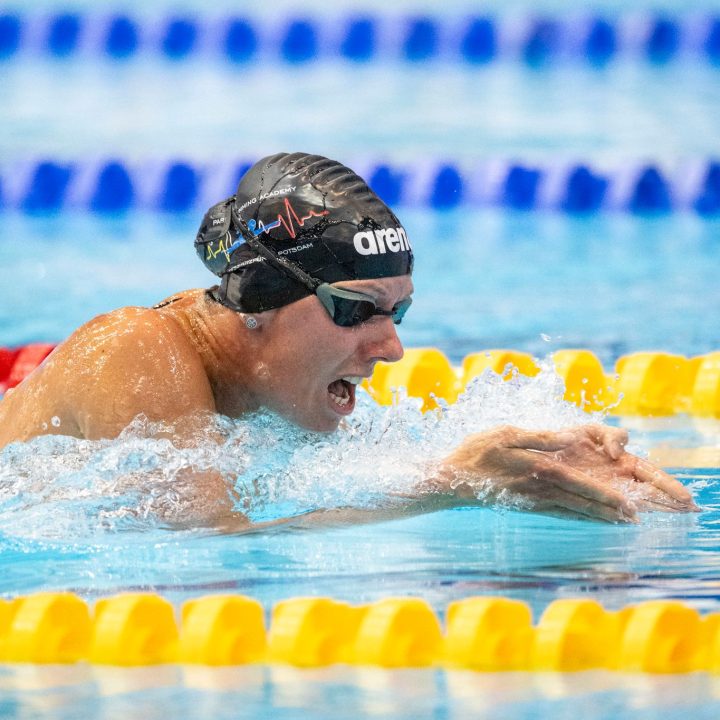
<point x="311" y="365"/>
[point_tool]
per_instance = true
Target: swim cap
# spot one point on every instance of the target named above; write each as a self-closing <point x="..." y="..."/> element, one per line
<point x="298" y="212"/>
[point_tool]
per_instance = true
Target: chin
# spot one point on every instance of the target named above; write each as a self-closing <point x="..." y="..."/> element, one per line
<point x="318" y="424"/>
<point x="316" y="419"/>
<point x="327" y="426"/>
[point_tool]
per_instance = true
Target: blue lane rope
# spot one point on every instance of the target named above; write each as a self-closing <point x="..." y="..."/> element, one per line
<point x="114" y="185"/>
<point x="474" y="40"/>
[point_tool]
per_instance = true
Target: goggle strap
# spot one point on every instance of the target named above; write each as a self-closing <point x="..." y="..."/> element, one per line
<point x="283" y="264"/>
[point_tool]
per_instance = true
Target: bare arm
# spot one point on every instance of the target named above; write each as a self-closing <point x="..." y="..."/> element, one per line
<point x="582" y="472"/>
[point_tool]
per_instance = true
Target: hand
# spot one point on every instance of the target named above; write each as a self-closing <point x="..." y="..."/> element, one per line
<point x="599" y="452"/>
<point x="582" y="471"/>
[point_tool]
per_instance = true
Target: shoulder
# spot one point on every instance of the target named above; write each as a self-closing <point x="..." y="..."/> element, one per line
<point x="130" y="336"/>
<point x="132" y="361"/>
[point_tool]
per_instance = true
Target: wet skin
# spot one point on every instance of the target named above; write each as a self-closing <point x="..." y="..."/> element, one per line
<point x="184" y="362"/>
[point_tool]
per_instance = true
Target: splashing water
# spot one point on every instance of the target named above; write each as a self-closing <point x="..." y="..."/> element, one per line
<point x="56" y="486"/>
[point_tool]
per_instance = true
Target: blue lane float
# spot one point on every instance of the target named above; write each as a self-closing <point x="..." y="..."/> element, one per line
<point x="651" y="193"/>
<point x="707" y="201"/>
<point x="179" y="38"/>
<point x="63" y="34"/>
<point x="520" y="188"/>
<point x="241" y="42"/>
<point x="122" y="38"/>
<point x="10" y="35"/>
<point x="179" y="191"/>
<point x="421" y="40"/>
<point x="176" y="186"/>
<point x="359" y="40"/>
<point x="601" y="42"/>
<point x="542" y="42"/>
<point x="478" y="39"/>
<point x="584" y="191"/>
<point x="47" y="188"/>
<point x="664" y="41"/>
<point x="387" y="183"/>
<point x="114" y="189"/>
<point x="712" y="42"/>
<point x="300" y="43"/>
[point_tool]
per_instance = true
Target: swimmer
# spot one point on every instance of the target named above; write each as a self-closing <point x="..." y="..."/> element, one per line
<point x="314" y="276"/>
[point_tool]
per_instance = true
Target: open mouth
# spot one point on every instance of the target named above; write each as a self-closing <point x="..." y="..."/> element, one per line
<point x="342" y="394"/>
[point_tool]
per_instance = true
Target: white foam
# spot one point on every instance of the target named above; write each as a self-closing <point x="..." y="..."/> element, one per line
<point x="62" y="487"/>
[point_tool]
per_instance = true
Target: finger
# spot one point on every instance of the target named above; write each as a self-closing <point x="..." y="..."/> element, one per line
<point x="613" y="440"/>
<point x="649" y="473"/>
<point x="574" y="481"/>
<point x="659" y="503"/>
<point x="541" y="440"/>
<point x="588" y="509"/>
<point x="648" y="498"/>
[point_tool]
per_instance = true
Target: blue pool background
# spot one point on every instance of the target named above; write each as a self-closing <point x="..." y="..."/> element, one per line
<point x="611" y="282"/>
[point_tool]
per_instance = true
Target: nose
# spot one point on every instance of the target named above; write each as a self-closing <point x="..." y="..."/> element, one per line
<point x="385" y="344"/>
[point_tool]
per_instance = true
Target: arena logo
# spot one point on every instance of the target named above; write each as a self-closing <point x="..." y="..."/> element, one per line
<point x="377" y="242"/>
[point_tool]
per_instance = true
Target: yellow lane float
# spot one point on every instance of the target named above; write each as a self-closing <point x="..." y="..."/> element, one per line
<point x="424" y="373"/>
<point x="586" y="384"/>
<point x="502" y="362"/>
<point x="45" y="627"/>
<point x="485" y="634"/>
<point x="488" y="633"/>
<point x="652" y="384"/>
<point x="705" y="397"/>
<point x="134" y="629"/>
<point x="222" y="630"/>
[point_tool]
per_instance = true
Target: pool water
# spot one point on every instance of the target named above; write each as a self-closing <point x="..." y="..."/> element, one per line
<point x="68" y="519"/>
<point x="627" y="111"/>
<point x="613" y="283"/>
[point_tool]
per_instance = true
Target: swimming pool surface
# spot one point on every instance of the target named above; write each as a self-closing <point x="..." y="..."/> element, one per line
<point x="485" y="278"/>
<point x="531" y="282"/>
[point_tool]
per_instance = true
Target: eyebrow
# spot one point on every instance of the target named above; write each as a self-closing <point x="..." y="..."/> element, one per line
<point x="377" y="289"/>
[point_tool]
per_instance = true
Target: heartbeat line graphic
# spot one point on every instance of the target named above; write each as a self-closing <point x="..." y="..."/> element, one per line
<point x="288" y="220"/>
<point x="212" y="254"/>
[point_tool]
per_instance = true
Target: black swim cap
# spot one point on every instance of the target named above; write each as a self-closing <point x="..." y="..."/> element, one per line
<point x="298" y="211"/>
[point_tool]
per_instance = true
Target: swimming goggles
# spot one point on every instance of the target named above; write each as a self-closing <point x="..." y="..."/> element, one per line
<point x="347" y="308"/>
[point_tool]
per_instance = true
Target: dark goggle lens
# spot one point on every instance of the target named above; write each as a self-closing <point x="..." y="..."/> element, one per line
<point x="352" y="312"/>
<point x="348" y="308"/>
<point x="349" y="312"/>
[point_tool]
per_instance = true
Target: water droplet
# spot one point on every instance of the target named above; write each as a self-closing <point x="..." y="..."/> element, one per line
<point x="55" y="420"/>
<point x="545" y="337"/>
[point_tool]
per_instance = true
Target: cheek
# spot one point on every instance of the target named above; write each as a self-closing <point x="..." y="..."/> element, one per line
<point x="329" y="347"/>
